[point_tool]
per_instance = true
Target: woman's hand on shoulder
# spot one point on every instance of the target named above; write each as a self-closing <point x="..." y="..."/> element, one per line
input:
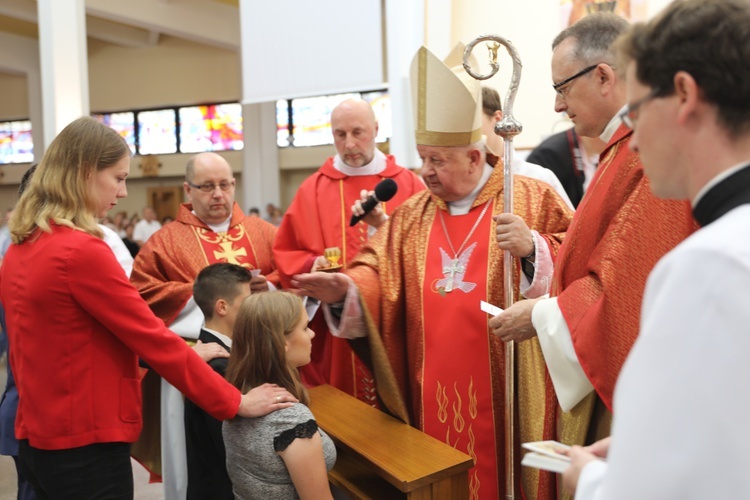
<point x="264" y="399"/>
<point x="209" y="351"/>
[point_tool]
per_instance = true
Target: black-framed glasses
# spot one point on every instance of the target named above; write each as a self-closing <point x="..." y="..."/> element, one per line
<point x="209" y="187"/>
<point x="559" y="86"/>
<point x="630" y="114"/>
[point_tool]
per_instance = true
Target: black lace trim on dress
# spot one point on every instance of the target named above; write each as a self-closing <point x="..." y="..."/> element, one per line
<point x="305" y="430"/>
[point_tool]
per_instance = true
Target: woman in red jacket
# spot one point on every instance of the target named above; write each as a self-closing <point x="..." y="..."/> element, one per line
<point x="77" y="328"/>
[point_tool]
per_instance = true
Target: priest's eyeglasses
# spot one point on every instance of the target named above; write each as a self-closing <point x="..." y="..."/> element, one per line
<point x="629" y="115"/>
<point x="559" y="87"/>
<point x="210" y="187"/>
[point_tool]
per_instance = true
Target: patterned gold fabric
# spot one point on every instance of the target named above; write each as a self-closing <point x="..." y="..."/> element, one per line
<point x="164" y="269"/>
<point x="391" y="275"/>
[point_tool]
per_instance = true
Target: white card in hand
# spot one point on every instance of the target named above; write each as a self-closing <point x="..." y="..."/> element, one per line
<point x="489" y="308"/>
<point x="254" y="272"/>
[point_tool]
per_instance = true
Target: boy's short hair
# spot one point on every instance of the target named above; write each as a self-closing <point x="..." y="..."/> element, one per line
<point x="490" y="101"/>
<point x="218" y="281"/>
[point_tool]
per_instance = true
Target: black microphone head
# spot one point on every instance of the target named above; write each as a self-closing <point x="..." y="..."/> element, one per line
<point x="385" y="189"/>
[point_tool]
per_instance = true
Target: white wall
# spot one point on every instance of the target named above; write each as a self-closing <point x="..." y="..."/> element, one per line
<point x="14" y="96"/>
<point x="530" y="26"/>
<point x="174" y="72"/>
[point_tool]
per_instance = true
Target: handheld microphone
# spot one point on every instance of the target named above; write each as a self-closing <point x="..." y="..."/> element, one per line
<point x="384" y="191"/>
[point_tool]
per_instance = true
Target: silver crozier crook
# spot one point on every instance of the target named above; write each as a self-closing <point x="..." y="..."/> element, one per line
<point x="507" y="128"/>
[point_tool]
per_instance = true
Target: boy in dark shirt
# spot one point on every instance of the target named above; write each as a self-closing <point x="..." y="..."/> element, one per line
<point x="219" y="290"/>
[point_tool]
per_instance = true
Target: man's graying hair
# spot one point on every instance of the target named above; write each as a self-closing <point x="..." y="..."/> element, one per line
<point x="594" y="35"/>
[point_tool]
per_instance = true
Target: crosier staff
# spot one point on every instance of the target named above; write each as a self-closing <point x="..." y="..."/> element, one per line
<point x="507" y="128"/>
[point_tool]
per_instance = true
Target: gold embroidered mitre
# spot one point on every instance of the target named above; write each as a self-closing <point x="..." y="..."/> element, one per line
<point x="447" y="101"/>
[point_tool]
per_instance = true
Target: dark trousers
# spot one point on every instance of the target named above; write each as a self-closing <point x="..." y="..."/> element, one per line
<point x="96" y="471"/>
<point x="25" y="491"/>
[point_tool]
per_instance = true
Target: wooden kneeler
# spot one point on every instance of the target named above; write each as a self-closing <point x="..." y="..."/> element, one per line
<point x="381" y="457"/>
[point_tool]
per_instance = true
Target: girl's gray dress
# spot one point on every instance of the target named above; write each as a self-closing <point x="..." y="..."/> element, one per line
<point x="254" y="467"/>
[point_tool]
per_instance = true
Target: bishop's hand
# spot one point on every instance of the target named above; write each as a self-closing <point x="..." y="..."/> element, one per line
<point x="330" y="288"/>
<point x="512" y="233"/>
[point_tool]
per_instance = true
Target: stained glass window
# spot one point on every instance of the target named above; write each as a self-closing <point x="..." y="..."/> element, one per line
<point x="311" y="118"/>
<point x="381" y="104"/>
<point x="157" y="132"/>
<point x="283" y="136"/>
<point x="16" y="145"/>
<point x="123" y="123"/>
<point x="216" y="127"/>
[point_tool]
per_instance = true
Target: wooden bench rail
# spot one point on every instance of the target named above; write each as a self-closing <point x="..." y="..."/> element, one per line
<point x="382" y="457"/>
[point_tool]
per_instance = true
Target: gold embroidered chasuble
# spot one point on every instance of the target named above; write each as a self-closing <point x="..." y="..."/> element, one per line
<point x="436" y="364"/>
<point x="166" y="266"/>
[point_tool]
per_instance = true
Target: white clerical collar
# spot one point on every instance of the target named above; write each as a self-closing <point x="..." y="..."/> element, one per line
<point x="221" y="228"/>
<point x="726" y="173"/>
<point x="227" y="341"/>
<point x="463" y="206"/>
<point x="376" y="165"/>
<point x="612" y="126"/>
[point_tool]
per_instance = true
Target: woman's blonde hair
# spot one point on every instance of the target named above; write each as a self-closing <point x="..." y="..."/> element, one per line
<point x="59" y="190"/>
<point x="263" y="324"/>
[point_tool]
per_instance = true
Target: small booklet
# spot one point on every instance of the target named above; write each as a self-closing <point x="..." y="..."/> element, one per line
<point x="546" y="455"/>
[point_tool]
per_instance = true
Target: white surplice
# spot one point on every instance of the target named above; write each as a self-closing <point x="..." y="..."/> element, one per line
<point x="681" y="404"/>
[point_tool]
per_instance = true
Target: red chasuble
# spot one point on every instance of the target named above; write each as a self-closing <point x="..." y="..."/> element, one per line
<point x="318" y="218"/>
<point x="435" y="362"/>
<point x="166" y="266"/>
<point x="619" y="232"/>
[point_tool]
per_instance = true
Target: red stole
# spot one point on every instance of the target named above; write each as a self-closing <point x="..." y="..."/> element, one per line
<point x="231" y="246"/>
<point x="456" y="392"/>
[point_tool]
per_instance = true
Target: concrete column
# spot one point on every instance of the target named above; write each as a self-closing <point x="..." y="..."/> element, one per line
<point x="260" y="165"/>
<point x="64" y="63"/>
<point x="405" y="33"/>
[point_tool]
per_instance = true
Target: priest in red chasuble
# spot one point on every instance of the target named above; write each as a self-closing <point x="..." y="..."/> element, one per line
<point x="619" y="232"/>
<point x="318" y="218"/>
<point x="412" y="295"/>
<point x="211" y="228"/>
